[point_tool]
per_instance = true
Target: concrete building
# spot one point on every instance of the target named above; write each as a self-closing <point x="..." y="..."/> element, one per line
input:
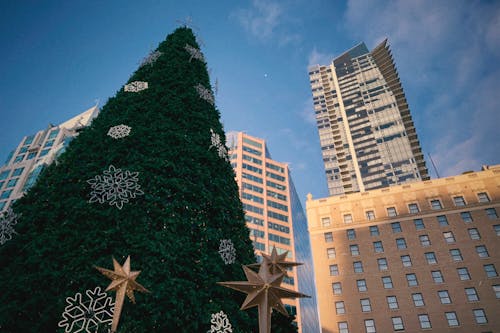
<point x="275" y="218"/>
<point x="34" y="152"/>
<point x="366" y="131"/>
<point x="414" y="257"/>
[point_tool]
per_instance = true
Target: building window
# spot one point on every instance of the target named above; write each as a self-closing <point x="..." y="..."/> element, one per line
<point x="365" y="305"/>
<point x="459" y="201"/>
<point x="418" y="299"/>
<point x="413" y="208"/>
<point x="354" y="250"/>
<point x="334" y="270"/>
<point x="4" y="174"/>
<point x="436" y="204"/>
<point x="397" y="324"/>
<point x="449" y="237"/>
<point x="18" y="158"/>
<point x="2" y="204"/>
<point x="482" y="252"/>
<point x="325" y="221"/>
<point x="17" y="172"/>
<point x="370" y="326"/>
<point x="391" y="212"/>
<point x="337" y="288"/>
<point x="370" y="215"/>
<point x="406" y="260"/>
<point x="431" y="258"/>
<point x="330" y="252"/>
<point x="340" y="307"/>
<point x="424" y="240"/>
<point x="456" y="255"/>
<point x="343" y="328"/>
<point x="347" y="218"/>
<point x="442" y="220"/>
<point x="480" y="316"/>
<point x="496" y="228"/>
<point x="387" y="282"/>
<point x="419" y="224"/>
<point x="12" y="182"/>
<point x="490" y="270"/>
<point x="452" y="319"/>
<point x="44" y="152"/>
<point x="412" y="280"/>
<point x="5" y="194"/>
<point x="483" y="197"/>
<point x="471" y="294"/>
<point x="437" y="276"/>
<point x="444" y="297"/>
<point x="396" y="227"/>
<point x="328" y="237"/>
<point x="496" y="290"/>
<point x="466" y="217"/>
<point x="463" y="273"/>
<point x="361" y="285"/>
<point x="392" y="302"/>
<point x="351" y="234"/>
<point x="374" y="231"/>
<point x="401" y="243"/>
<point x="424" y="321"/>
<point x="378" y="247"/>
<point x="474" y="233"/>
<point x="382" y="264"/>
<point x="358" y="267"/>
<point x="492" y="213"/>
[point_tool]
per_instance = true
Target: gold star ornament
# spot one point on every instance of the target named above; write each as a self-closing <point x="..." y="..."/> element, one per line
<point x="123" y="282"/>
<point x="263" y="290"/>
<point x="276" y="262"/>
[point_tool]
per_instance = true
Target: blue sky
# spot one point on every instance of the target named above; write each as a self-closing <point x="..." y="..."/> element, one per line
<point x="58" y="57"/>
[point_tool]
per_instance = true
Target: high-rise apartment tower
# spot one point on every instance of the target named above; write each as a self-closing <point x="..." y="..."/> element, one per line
<point x="366" y="132"/>
<point x="275" y="218"/>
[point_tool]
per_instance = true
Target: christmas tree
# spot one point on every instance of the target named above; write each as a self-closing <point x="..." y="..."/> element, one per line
<point x="148" y="179"/>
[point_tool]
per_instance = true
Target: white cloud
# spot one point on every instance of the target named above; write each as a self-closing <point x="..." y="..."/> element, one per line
<point x="261" y="19"/>
<point x="319" y="58"/>
<point x="307" y="112"/>
<point x="268" y="21"/>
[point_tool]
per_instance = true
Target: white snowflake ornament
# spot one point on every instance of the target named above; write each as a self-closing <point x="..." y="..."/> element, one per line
<point x="227" y="251"/>
<point x="136" y="86"/>
<point x="115" y="187"/>
<point x="205" y="94"/>
<point x="194" y="53"/>
<point x="119" y="131"/>
<point x="89" y="314"/>
<point x="151" y="58"/>
<point x="7" y="222"/>
<point x="220" y="323"/>
<point x="218" y="145"/>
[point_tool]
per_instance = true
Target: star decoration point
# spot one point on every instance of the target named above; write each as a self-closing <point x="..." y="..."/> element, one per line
<point x="263" y="290"/>
<point x="123" y="282"/>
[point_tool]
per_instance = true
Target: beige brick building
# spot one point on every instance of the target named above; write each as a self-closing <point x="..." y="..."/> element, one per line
<point x="417" y="257"/>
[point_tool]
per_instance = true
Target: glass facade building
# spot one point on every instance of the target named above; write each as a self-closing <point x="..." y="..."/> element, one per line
<point x="366" y="132"/>
<point x="275" y="217"/>
<point x="25" y="163"/>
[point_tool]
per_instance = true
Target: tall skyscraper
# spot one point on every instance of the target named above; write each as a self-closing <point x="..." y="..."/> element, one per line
<point x="275" y="218"/>
<point x="414" y="257"/>
<point x="366" y="132"/>
<point x="34" y="152"/>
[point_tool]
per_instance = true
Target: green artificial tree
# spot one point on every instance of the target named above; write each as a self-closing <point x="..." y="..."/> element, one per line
<point x="148" y="178"/>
